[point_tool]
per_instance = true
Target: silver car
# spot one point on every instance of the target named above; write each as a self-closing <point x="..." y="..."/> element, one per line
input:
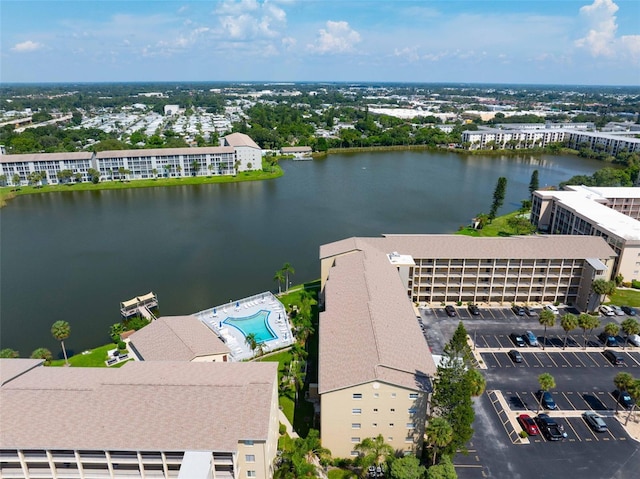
<point x="617" y="310"/>
<point x="594" y="421"/>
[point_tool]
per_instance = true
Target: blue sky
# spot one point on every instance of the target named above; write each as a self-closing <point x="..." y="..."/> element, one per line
<point x="592" y="42"/>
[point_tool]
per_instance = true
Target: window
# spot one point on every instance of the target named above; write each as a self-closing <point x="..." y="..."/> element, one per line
<point x="357" y="396"/>
<point x="391" y="424"/>
<point x="390" y="438"/>
<point x="410" y="425"/>
<point x="356" y="411"/>
<point x="413" y="396"/>
<point x="408" y="439"/>
<point x="251" y="473"/>
<point x="354" y="453"/>
<point x="393" y="409"/>
<point x="250" y="457"/>
<point x="375" y="424"/>
<point x="376" y="395"/>
<point x="412" y="410"/>
<point x="355" y="425"/>
<point x="248" y="443"/>
<point x="393" y="395"/>
<point x="375" y="409"/>
<point x="355" y="439"/>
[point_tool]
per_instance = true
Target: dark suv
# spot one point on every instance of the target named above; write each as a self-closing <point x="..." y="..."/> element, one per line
<point x="517" y="340"/>
<point x="608" y="340"/>
<point x="519" y="310"/>
<point x="614" y="356"/>
<point x="624" y="398"/>
<point x="451" y="311"/>
<point x="473" y="309"/>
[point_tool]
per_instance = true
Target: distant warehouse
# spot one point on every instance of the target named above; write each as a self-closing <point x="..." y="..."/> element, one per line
<point x="237" y="153"/>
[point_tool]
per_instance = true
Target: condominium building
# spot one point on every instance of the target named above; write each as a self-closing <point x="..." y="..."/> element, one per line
<point x="610" y="213"/>
<point x="238" y="152"/>
<point x="148" y="419"/>
<point x="375" y="367"/>
<point x="528" y="138"/>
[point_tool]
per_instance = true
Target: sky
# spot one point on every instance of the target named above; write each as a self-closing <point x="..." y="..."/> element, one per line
<point x="573" y="42"/>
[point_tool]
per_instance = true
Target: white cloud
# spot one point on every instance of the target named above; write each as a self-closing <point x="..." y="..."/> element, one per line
<point x="250" y="19"/>
<point x="600" y="39"/>
<point x="338" y="37"/>
<point x="27" y="46"/>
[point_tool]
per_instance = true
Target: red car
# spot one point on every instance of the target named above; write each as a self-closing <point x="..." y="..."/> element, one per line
<point x="528" y="424"/>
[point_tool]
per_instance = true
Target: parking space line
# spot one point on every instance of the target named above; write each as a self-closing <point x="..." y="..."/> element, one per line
<point x="549" y="356"/>
<point x="578" y="358"/>
<point x="595" y="363"/>
<point x="569" y="400"/>
<point x="590" y="430"/>
<point x="574" y="430"/>
<point x="633" y="358"/>
<point x="535" y="355"/>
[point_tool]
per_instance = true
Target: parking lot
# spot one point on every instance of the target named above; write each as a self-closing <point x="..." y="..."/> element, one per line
<point x="584" y="381"/>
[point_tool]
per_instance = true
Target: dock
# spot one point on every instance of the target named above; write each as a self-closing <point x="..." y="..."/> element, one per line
<point x="140" y="305"/>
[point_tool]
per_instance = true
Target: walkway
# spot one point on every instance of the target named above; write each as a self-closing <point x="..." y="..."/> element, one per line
<point x="283" y="419"/>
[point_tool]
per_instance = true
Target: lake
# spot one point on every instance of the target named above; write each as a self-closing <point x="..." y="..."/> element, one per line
<point x="76" y="255"/>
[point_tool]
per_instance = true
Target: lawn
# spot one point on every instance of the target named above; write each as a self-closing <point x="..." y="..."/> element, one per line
<point x="625" y="297"/>
<point x="8" y="192"/>
<point x="95" y="359"/>
<point x="498" y="227"/>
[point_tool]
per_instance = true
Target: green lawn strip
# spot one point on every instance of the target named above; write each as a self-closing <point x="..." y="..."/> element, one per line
<point x="8" y="192"/>
<point x="341" y="474"/>
<point x="498" y="227"/>
<point x="625" y="297"/>
<point x="95" y="359"/>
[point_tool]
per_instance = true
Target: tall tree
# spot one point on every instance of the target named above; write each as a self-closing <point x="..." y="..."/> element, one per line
<point x="546" y="382"/>
<point x="443" y="470"/>
<point x="622" y="381"/>
<point x="438" y="433"/>
<point x="634" y="392"/>
<point x="287" y="269"/>
<point x="547" y="319"/>
<point x="278" y="277"/>
<point x="534" y="184"/>
<point x="569" y="322"/>
<point x="498" y="197"/>
<point x="630" y="326"/>
<point x="587" y="322"/>
<point x="61" y="331"/>
<point x="603" y="288"/>
<point x="407" y="467"/>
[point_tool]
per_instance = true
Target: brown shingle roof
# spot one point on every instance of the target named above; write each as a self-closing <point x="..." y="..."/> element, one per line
<point x="206" y="150"/>
<point x="240" y="139"/>
<point x="168" y="405"/>
<point x="177" y="338"/>
<point x="82" y="155"/>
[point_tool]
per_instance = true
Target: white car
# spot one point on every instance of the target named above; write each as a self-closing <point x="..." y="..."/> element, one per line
<point x="607" y="310"/>
<point x="634" y="339"/>
<point x="552" y="308"/>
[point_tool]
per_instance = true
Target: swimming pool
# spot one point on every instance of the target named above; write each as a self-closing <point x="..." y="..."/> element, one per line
<point x="256" y="323"/>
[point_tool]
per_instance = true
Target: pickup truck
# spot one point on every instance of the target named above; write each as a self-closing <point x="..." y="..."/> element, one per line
<point x="549" y="427"/>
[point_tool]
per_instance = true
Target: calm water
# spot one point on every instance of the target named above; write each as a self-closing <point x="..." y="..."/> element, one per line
<point x="75" y="256"/>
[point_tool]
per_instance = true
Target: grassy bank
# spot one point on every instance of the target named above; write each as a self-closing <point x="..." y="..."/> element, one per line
<point x="498" y="227"/>
<point x="95" y="358"/>
<point x="9" y="192"/>
<point x="625" y="297"/>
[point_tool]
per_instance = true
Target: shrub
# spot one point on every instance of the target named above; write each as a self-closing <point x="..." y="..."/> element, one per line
<point x="282" y="429"/>
<point x="523" y="434"/>
<point x="122" y="345"/>
<point x="459" y="303"/>
<point x="635" y="284"/>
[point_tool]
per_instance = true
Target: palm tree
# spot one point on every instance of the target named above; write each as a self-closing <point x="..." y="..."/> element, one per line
<point x="179" y="170"/>
<point x="236" y="165"/>
<point x="622" y="381"/>
<point x="630" y="326"/>
<point x="439" y="433"/>
<point x="634" y="392"/>
<point x="61" y="331"/>
<point x="587" y="322"/>
<point x="610" y="329"/>
<point x="42" y="353"/>
<point x="251" y="341"/>
<point x="374" y="451"/>
<point x="546" y="382"/>
<point x="168" y="168"/>
<point x="569" y="322"/>
<point x="546" y="318"/>
<point x="195" y="166"/>
<point x="279" y="278"/>
<point x="287" y="269"/>
<point x="154" y="172"/>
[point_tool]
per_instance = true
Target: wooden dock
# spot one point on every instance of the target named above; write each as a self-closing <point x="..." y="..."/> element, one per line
<point x="140" y="305"/>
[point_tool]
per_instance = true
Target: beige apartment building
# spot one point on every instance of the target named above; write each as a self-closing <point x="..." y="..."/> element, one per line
<point x="148" y="419"/>
<point x="609" y="213"/>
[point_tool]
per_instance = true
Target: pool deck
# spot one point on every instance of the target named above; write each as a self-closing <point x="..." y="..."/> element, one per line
<point x="277" y="319"/>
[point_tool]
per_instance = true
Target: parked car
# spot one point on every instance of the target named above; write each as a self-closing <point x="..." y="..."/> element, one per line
<point x="515" y="355"/>
<point x="546" y="400"/>
<point x="624" y="398"/>
<point x="552" y="308"/>
<point x="614" y="356"/>
<point x="517" y="340"/>
<point x="530" y="312"/>
<point x="607" y="339"/>
<point x="617" y="310"/>
<point x="451" y="311"/>
<point x="519" y="310"/>
<point x="634" y="339"/>
<point x="629" y="310"/>
<point x="528" y="424"/>
<point x="474" y="310"/>
<point x="531" y="339"/>
<point x="607" y="310"/>
<point x="549" y="427"/>
<point x="594" y="421"/>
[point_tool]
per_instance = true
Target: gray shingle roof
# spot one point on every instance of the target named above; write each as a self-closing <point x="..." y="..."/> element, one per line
<point x="167" y="405"/>
<point x="177" y="338"/>
<point x="82" y="155"/>
<point x="240" y="139"/>
<point x="206" y="150"/>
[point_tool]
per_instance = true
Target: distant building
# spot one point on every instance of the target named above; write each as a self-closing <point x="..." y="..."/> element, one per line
<point x="296" y="151"/>
<point x="148" y="419"/>
<point x="239" y="153"/>
<point x="171" y="110"/>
